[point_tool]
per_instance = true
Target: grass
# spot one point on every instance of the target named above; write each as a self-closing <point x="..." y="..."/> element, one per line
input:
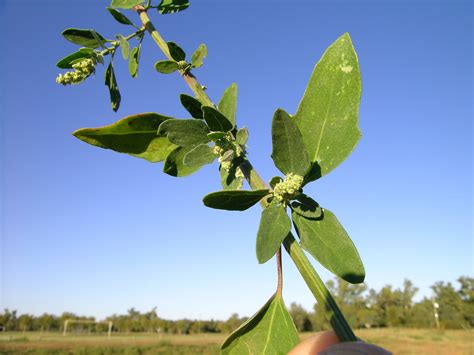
<point x="399" y="341"/>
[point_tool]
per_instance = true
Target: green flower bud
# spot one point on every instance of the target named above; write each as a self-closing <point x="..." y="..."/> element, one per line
<point x="288" y="188"/>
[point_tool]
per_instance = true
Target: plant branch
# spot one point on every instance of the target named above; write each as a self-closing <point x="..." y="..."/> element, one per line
<point x="309" y="274"/>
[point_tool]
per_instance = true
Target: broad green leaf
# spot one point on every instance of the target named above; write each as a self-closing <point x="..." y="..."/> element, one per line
<point x="198" y="55"/>
<point x="229" y="179"/>
<point x="327" y="241"/>
<point x="328" y="113"/>
<point x="215" y="136"/>
<point x="200" y="155"/>
<point x="274" y="227"/>
<point x="133" y="61"/>
<point x="289" y="153"/>
<point x="270" y="331"/>
<point x="307" y="207"/>
<point x="124" y="46"/>
<point x="174" y="163"/>
<point x="172" y="6"/>
<point x="176" y="52"/>
<point x="111" y="83"/>
<point x="192" y="105"/>
<point x="83" y="37"/>
<point x="185" y="133"/>
<point x="66" y="62"/>
<point x="216" y="120"/>
<point x="119" y="17"/>
<point x="125" y="4"/>
<point x="228" y="103"/>
<point x="234" y="200"/>
<point x="242" y="136"/>
<point x="134" y="135"/>
<point x="166" y="66"/>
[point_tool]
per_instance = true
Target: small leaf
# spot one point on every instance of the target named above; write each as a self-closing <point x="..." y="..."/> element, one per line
<point x="124" y="46"/>
<point x="192" y="105"/>
<point x="66" y="62"/>
<point x="172" y="6"/>
<point x="134" y="135"/>
<point x="176" y="52"/>
<point x="328" y="112"/>
<point x="121" y="18"/>
<point x="216" y="120"/>
<point x="289" y="153"/>
<point x="111" y="82"/>
<point x="327" y="241"/>
<point x="242" y="136"/>
<point x="270" y="331"/>
<point x="133" y="61"/>
<point x="234" y="200"/>
<point x="125" y="4"/>
<point x="229" y="179"/>
<point x="174" y="163"/>
<point x="307" y="207"/>
<point x="166" y="66"/>
<point x="274" y="227"/>
<point x="215" y="136"/>
<point x="228" y="103"/>
<point x="275" y="180"/>
<point x="185" y="133"/>
<point x="199" y="156"/>
<point x="86" y="38"/>
<point x="198" y="55"/>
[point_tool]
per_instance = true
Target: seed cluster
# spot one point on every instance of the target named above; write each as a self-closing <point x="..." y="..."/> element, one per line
<point x="82" y="70"/>
<point x="288" y="188"/>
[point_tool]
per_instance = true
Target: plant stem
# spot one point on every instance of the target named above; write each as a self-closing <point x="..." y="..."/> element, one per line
<point x="309" y="274"/>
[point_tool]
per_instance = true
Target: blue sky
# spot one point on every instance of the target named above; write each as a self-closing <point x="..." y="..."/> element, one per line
<point x="95" y="232"/>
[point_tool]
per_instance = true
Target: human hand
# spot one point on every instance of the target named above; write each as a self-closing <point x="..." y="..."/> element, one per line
<point x="327" y="343"/>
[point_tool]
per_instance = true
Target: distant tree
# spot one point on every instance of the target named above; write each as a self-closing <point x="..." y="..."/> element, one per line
<point x="451" y="306"/>
<point x="466" y="292"/>
<point x="300" y="318"/>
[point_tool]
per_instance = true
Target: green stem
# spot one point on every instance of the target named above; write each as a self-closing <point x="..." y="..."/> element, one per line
<point x="309" y="274"/>
<point x="116" y="44"/>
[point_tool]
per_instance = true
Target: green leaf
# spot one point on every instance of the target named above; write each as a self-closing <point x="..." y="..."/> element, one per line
<point x="200" y="155"/>
<point x="124" y="46"/>
<point x="327" y="241"/>
<point x="111" y="83"/>
<point x="307" y="207"/>
<point x="133" y="61"/>
<point x="176" y="52"/>
<point x="85" y="38"/>
<point x="216" y="136"/>
<point x="166" y="66"/>
<point x="121" y="18"/>
<point x="125" y="4"/>
<point x="228" y="103"/>
<point x="198" y="55"/>
<point x="192" y="105"/>
<point x="289" y="153"/>
<point x="274" y="227"/>
<point x="268" y="332"/>
<point x="229" y="179"/>
<point x="174" y="163"/>
<point x="234" y="200"/>
<point x="172" y="6"/>
<point x="328" y="113"/>
<point x="242" y="136"/>
<point x="66" y="62"/>
<point x="185" y="133"/>
<point x="134" y="135"/>
<point x="275" y="180"/>
<point x="216" y="120"/>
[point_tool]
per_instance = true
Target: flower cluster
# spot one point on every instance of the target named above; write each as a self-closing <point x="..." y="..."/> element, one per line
<point x="82" y="70"/>
<point x="288" y="188"/>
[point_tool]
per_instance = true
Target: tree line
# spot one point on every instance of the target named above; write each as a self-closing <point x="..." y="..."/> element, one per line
<point x="449" y="308"/>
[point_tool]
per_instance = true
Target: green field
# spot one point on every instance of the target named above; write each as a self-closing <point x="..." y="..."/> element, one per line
<point x="399" y="341"/>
